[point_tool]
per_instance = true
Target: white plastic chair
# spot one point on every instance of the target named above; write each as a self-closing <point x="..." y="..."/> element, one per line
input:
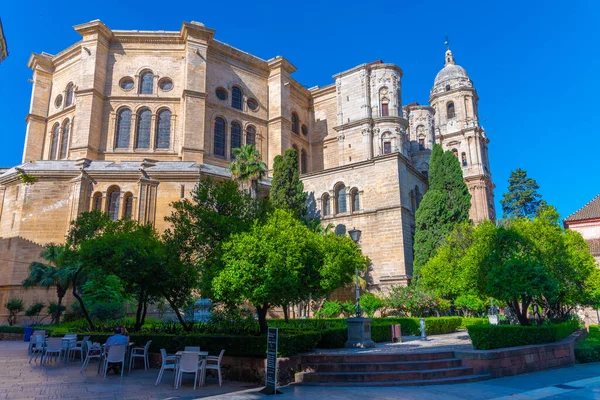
<point x="140" y="352"/>
<point x="188" y="364"/>
<point x="92" y="352"/>
<point x="53" y="347"/>
<point x="192" y="348"/>
<point x="37" y="347"/>
<point x="68" y="342"/>
<point x="214" y="363"/>
<point x="32" y="341"/>
<point x="116" y="354"/>
<point x="168" y="363"/>
<point x="78" y="347"/>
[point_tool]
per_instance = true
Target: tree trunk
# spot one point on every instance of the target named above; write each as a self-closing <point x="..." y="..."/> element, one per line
<point x="186" y="327"/>
<point x="262" y="318"/>
<point x="138" y="313"/>
<point x="80" y="300"/>
<point x="60" y="293"/>
<point x="520" y="311"/>
<point x="286" y="313"/>
<point x="253" y="189"/>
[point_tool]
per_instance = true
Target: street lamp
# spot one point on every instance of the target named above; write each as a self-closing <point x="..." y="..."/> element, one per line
<point x="355" y="236"/>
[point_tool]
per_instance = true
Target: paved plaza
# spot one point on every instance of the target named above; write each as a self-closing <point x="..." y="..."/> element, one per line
<point x="21" y="380"/>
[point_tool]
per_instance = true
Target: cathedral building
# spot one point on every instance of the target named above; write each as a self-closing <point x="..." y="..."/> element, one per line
<point x="127" y="122"/>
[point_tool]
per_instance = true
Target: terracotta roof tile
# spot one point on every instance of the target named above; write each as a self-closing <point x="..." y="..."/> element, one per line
<point x="589" y="211"/>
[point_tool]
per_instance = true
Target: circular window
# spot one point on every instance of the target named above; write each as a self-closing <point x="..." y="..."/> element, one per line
<point x="58" y="101"/>
<point x="252" y="104"/>
<point x="126" y="83"/>
<point x="221" y="93"/>
<point x="304" y="130"/>
<point x="165" y="84"/>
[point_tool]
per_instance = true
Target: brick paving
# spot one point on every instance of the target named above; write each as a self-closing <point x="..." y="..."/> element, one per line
<point x="21" y="380"/>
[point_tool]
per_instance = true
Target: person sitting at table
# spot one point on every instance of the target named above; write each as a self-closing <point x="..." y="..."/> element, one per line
<point x="125" y="333"/>
<point x="118" y="339"/>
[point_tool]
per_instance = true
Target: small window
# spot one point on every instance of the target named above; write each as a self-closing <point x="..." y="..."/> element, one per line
<point x="165" y="84"/>
<point x="450" y="110"/>
<point x="384" y="110"/>
<point x="326" y="207"/>
<point x="236" y="98"/>
<point x="303" y="161"/>
<point x="455" y="152"/>
<point x="236" y="137"/>
<point x="252" y="104"/>
<point x="387" y="147"/>
<point x="447" y="88"/>
<point x="58" y="101"/>
<point x="142" y="135"/>
<point x="219" y="144"/>
<point x="251" y="135"/>
<point x="147" y="83"/>
<point x="464" y="159"/>
<point x="113" y="203"/>
<point x="126" y="83"/>
<point x="221" y="93"/>
<point x="421" y="144"/>
<point x="69" y="95"/>
<point x="340" y="199"/>
<point x="304" y="130"/>
<point x="355" y="200"/>
<point x="295" y="123"/>
<point x="97" y="202"/>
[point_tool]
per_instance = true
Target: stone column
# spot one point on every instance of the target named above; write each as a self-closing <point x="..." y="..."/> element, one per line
<point x="38" y="110"/>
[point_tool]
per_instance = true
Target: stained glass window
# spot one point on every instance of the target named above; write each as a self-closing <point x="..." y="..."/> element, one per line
<point x="54" y="142"/>
<point x="146" y="83"/>
<point x="236" y="136"/>
<point x="251" y="135"/>
<point x="340" y="196"/>
<point x="236" y="98"/>
<point x="220" y="137"/>
<point x="69" y="95"/>
<point x="113" y="204"/>
<point x="64" y="142"/>
<point x="142" y="136"/>
<point x="123" y="128"/>
<point x="163" y="130"/>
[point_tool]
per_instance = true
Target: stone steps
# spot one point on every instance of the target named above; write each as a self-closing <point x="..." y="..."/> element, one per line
<point x="368" y="369"/>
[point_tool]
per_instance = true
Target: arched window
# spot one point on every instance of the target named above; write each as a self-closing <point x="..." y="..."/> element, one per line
<point x="128" y="211"/>
<point x="69" y="95"/>
<point x="295" y="123"/>
<point x="54" y="141"/>
<point x="251" y="135"/>
<point x="64" y="141"/>
<point x="384" y="100"/>
<point x="447" y="88"/>
<point x="146" y="82"/>
<point x="142" y="133"/>
<point x="163" y="130"/>
<point x="387" y="147"/>
<point x="303" y="161"/>
<point x="355" y="200"/>
<point x="450" y="110"/>
<point x="123" y="128"/>
<point x="114" y="195"/>
<point x="219" y="145"/>
<point x="422" y="143"/>
<point x="326" y="206"/>
<point x="97" y="202"/>
<point x="464" y="159"/>
<point x="340" y="199"/>
<point x="236" y="137"/>
<point x="236" y="98"/>
<point x="455" y="152"/>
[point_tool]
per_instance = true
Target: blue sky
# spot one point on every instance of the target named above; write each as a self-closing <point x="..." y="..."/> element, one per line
<point x="535" y="65"/>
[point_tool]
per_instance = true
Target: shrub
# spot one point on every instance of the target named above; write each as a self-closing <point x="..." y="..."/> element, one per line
<point x="33" y="312"/>
<point x="330" y="309"/>
<point x="413" y="301"/>
<point x="107" y="311"/>
<point x="588" y="350"/>
<point x="485" y="337"/>
<point x="14" y="307"/>
<point x="467" y="321"/>
<point x="470" y="305"/>
<point x="370" y="304"/>
<point x="333" y="338"/>
<point x="54" y="311"/>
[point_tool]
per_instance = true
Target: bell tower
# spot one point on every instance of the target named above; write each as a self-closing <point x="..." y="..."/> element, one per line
<point x="457" y="128"/>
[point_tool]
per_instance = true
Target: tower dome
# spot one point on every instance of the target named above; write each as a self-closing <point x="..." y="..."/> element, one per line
<point x="452" y="76"/>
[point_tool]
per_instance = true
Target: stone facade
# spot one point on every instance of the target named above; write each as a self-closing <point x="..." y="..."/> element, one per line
<point x="127" y="122"/>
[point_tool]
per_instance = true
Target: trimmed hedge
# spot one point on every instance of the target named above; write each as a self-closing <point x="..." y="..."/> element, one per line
<point x="485" y="337"/>
<point x="12" y="329"/>
<point x="588" y="350"/>
<point x="468" y="321"/>
<point x="290" y="343"/>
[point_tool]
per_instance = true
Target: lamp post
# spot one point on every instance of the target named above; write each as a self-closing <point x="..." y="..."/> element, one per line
<point x="355" y="236"/>
<point x="359" y="328"/>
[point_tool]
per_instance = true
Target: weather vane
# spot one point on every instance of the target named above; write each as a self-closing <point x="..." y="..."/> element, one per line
<point x="447" y="42"/>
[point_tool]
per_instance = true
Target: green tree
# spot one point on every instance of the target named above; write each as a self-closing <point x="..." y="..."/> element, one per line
<point x="282" y="262"/>
<point x="133" y="253"/>
<point x="287" y="190"/>
<point x="247" y="168"/>
<point x="522" y="198"/>
<point x="14" y="307"/>
<point x="34" y="311"/>
<point x="371" y="303"/>
<point x="446" y="203"/>
<point x="199" y="226"/>
<point x="58" y="272"/>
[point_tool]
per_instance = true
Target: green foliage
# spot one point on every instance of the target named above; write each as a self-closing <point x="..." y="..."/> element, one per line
<point x="485" y="337"/>
<point x="108" y="311"/>
<point x="55" y="311"/>
<point x="370" y="304"/>
<point x="14" y="307"/>
<point x="522" y="198"/>
<point x="248" y="168"/>
<point x="287" y="191"/>
<point x="282" y="262"/>
<point x="470" y="305"/>
<point x="34" y="311"/>
<point x="101" y="289"/>
<point x="329" y="309"/>
<point x="26" y="178"/>
<point x="445" y="204"/>
<point x="468" y="321"/>
<point x="588" y="350"/>
<point x="413" y="301"/>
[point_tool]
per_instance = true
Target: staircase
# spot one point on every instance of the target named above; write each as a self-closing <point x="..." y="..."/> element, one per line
<point x="434" y="368"/>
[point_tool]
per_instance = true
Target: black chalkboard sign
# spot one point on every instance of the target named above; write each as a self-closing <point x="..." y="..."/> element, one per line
<point x="271" y="375"/>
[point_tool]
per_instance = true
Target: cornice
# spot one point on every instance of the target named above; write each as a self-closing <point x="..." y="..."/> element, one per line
<point x="386" y="66"/>
<point x="94" y="27"/>
<point x="67" y="54"/>
<point x="196" y="30"/>
<point x="61" y="113"/>
<point x="322" y="91"/>
<point x="158" y="37"/>
<point x="34" y="117"/>
<point x="241" y="114"/>
<point x="226" y="52"/>
<point x="41" y="62"/>
<point x="353" y="124"/>
<point x="453" y="92"/>
<point x="193" y="93"/>
<point x="280" y="62"/>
